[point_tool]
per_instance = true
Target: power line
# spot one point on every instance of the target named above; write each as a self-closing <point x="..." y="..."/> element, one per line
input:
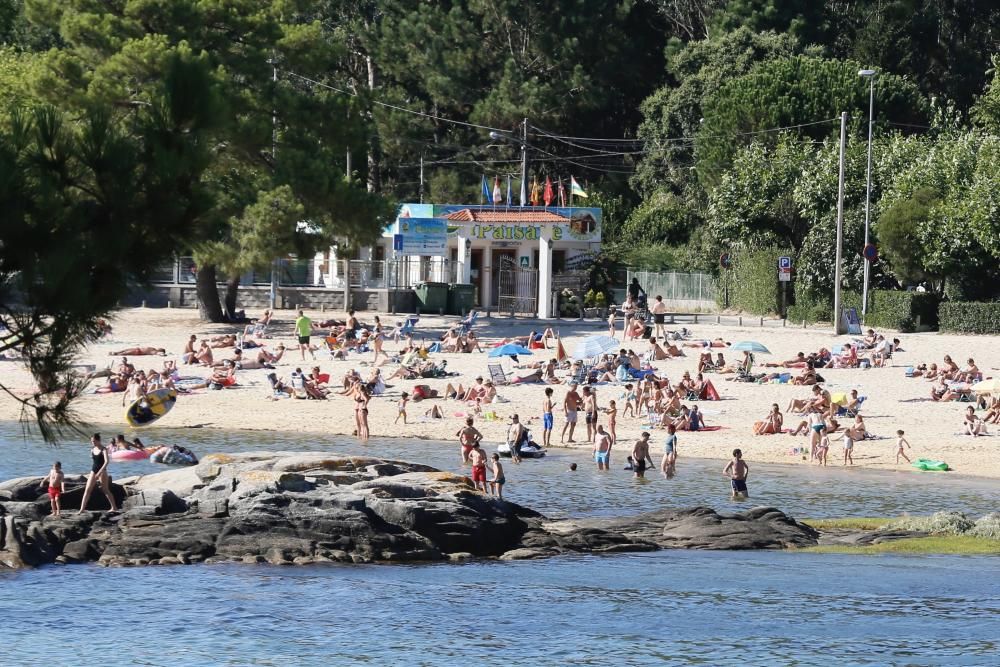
<point x="391" y="106"/>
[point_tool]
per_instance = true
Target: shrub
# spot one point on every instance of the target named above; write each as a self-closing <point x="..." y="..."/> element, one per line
<point x="950" y="523"/>
<point x="753" y="281"/>
<point x="888" y="309"/>
<point x="970" y="317"/>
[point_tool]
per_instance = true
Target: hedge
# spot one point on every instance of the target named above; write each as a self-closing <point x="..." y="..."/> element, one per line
<point x="753" y="281"/>
<point x="888" y="309"/>
<point x="970" y="317"/>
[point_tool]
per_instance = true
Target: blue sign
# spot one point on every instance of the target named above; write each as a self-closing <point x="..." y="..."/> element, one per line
<point x="870" y="252"/>
<point x="422" y="236"/>
<point x="397" y="242"/>
<point x="784" y="262"/>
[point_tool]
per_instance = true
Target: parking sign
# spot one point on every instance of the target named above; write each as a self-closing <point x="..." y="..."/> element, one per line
<point x="784" y="262"/>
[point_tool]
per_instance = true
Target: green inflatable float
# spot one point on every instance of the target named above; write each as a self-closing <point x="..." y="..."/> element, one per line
<point x="928" y="464"/>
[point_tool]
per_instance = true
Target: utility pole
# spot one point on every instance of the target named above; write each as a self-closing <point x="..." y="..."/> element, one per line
<point x="524" y="163"/>
<point x="837" y="324"/>
<point x="421" y="179"/>
<point x="870" y="75"/>
<point x="273" y="298"/>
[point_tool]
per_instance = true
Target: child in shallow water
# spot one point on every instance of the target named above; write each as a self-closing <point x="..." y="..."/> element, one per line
<point x="498" y="477"/>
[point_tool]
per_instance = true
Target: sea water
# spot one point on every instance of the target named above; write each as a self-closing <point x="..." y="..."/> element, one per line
<point x="669" y="607"/>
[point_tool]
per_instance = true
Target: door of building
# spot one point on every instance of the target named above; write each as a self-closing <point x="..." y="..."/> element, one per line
<point x="476" y="273"/>
<point x="501" y="258"/>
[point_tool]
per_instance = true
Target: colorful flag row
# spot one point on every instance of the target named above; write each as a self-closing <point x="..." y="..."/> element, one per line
<point x="537" y="195"/>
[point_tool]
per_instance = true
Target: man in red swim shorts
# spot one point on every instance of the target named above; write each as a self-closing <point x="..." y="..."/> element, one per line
<point x="55" y="481"/>
<point x="468" y="437"/>
<point x="478" y="459"/>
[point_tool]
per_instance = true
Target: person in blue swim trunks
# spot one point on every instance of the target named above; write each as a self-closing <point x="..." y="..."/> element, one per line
<point x="547" y="420"/>
<point x="602" y="448"/>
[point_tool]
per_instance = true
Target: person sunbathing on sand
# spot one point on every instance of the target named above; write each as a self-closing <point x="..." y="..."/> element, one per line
<point x="972" y="424"/>
<point x="204" y="355"/>
<point x="949" y="369"/>
<point x="718" y="342"/>
<point x="848" y="358"/>
<point x="798" y="361"/>
<point x="218" y="342"/>
<point x="802" y="405"/>
<point x="771" y="423"/>
<point x="139" y="352"/>
<point x="188" y="356"/>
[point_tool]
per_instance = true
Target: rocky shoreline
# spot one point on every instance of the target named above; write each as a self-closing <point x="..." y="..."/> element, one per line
<point x="302" y="508"/>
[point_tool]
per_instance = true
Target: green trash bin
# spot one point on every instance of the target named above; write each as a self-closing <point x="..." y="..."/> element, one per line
<point x="432" y="297"/>
<point x="461" y="298"/>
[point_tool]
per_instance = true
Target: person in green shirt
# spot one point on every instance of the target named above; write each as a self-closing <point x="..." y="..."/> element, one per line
<point x="303" y="327"/>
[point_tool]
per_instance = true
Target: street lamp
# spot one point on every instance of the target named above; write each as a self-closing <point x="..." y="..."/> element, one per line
<point x="869" y="74"/>
<point x="524" y="156"/>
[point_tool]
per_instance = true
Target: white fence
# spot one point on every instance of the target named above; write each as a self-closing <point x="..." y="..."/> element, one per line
<point x="681" y="292"/>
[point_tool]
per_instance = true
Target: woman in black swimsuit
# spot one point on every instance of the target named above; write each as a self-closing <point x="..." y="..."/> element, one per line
<point x="100" y="458"/>
<point x="361" y="410"/>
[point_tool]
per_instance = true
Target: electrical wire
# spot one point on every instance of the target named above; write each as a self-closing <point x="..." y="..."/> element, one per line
<point x="390" y="106"/>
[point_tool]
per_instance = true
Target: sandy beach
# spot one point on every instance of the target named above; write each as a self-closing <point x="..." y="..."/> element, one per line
<point x="893" y="401"/>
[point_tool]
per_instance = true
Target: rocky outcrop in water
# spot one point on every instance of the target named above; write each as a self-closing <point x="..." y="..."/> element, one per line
<point x="295" y="508"/>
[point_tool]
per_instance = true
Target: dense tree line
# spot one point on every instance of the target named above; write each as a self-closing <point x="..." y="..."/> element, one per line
<point x="668" y="110"/>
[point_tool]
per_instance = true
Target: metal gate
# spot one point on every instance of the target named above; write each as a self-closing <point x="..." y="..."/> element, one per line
<point x="517" y="291"/>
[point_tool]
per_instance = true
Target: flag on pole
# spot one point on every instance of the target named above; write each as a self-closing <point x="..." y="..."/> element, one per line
<point x="536" y="193"/>
<point x="548" y="194"/>
<point x="562" y="194"/>
<point x="485" y="194"/>
<point x="575" y="189"/>
<point x="510" y="196"/>
<point x="497" y="193"/>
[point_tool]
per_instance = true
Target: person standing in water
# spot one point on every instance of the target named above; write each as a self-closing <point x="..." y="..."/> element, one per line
<point x="640" y="455"/>
<point x="547" y="419"/>
<point x="100" y="460"/>
<point x="602" y="449"/>
<point x="737" y="471"/>
<point x="468" y="437"/>
<point x="669" y="452"/>
<point x="571" y="404"/>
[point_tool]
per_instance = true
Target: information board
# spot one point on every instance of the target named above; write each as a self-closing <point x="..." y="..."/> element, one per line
<point x="422" y="236"/>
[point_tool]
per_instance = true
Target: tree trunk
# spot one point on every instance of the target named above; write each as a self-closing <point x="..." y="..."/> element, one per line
<point x="374" y="146"/>
<point x="232" y="288"/>
<point x="209" y="308"/>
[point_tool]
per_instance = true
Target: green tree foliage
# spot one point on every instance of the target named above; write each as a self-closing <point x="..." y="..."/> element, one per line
<point x="287" y="136"/>
<point x="91" y="203"/>
<point x="672" y="115"/>
<point x="800" y="90"/>
<point x="895" y="232"/>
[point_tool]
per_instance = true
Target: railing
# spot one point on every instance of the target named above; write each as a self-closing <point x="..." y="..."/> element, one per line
<point x="678" y="289"/>
<point x="403" y="273"/>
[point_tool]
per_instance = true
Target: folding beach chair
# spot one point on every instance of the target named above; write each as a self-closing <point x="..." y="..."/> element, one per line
<point x="582" y="374"/>
<point x="406" y="328"/>
<point x="844" y="411"/>
<point x="497" y="374"/>
<point x="469" y="322"/>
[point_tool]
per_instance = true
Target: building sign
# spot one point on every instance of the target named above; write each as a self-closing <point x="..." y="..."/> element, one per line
<point x="422" y="236"/>
<point x="564" y="224"/>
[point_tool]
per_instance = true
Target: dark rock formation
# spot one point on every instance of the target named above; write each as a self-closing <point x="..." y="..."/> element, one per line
<point x="289" y="508"/>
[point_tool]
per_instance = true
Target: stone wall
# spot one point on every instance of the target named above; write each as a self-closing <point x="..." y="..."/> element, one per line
<point x="258" y="297"/>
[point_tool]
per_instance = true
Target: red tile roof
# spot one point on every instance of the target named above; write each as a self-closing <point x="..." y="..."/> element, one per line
<point x="506" y="216"/>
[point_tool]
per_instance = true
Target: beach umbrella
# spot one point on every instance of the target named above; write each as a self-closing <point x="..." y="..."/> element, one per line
<point x="750" y="346"/>
<point x="591" y="346"/>
<point x="509" y="350"/>
<point x="990" y="386"/>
